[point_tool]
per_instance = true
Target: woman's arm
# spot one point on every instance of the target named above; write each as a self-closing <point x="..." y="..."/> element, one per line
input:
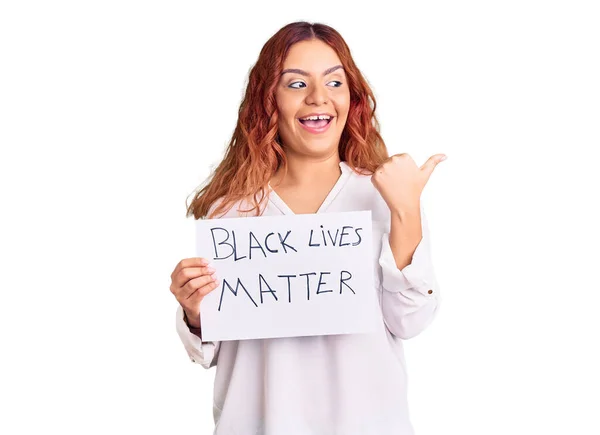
<point x="410" y="296"/>
<point x="200" y="352"/>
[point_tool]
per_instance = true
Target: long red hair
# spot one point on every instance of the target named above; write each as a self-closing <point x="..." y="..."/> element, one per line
<point x="254" y="153"/>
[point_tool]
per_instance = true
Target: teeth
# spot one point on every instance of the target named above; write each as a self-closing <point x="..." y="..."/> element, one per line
<point x="314" y="118"/>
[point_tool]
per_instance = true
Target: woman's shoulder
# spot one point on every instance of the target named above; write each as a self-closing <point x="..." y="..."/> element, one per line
<point x="233" y="209"/>
<point x="356" y="172"/>
<point x="359" y="178"/>
<point x="362" y="191"/>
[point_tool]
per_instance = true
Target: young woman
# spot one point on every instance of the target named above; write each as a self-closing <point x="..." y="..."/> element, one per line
<point x="307" y="141"/>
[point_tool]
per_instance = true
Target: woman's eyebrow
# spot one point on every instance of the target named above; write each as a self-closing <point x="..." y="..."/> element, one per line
<point x="304" y="73"/>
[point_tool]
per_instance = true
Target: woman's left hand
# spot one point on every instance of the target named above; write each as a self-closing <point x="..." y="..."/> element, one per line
<point x="400" y="181"/>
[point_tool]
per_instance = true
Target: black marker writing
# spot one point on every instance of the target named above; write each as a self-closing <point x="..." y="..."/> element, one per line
<point x="346" y="234"/>
<point x="288" y="285"/>
<point x="321" y="282"/>
<point x="225" y="244"/>
<point x="307" y="283"/>
<point x="238" y="284"/>
<point x="261" y="279"/>
<point x="266" y="287"/>
<point x="343" y="280"/>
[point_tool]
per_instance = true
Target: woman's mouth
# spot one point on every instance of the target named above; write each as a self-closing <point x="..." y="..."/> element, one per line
<point x="316" y="126"/>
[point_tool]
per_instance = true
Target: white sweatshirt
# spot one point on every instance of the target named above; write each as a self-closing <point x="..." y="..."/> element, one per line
<point x="349" y="384"/>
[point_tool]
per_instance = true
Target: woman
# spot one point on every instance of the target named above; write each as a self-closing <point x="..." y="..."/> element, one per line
<point x="307" y="141"/>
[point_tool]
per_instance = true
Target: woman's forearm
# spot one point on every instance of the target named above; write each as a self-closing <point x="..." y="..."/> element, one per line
<point x="405" y="234"/>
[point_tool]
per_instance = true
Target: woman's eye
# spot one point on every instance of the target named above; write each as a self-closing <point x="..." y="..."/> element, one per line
<point x="292" y="85"/>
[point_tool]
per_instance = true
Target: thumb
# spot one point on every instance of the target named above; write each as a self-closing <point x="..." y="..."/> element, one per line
<point x="431" y="163"/>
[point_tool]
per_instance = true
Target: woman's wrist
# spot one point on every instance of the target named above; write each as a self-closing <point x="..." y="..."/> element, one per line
<point x="189" y="324"/>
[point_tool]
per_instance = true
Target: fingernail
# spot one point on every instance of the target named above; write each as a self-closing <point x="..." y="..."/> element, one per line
<point x="443" y="158"/>
<point x="213" y="276"/>
<point x="210" y="269"/>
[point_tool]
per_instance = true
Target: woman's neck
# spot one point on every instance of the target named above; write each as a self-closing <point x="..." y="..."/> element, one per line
<point x="307" y="172"/>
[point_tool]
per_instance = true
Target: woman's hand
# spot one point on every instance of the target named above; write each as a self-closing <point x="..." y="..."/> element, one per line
<point x="191" y="280"/>
<point x="400" y="181"/>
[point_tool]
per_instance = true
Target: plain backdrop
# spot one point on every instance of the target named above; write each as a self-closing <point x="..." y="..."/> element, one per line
<point x="112" y="113"/>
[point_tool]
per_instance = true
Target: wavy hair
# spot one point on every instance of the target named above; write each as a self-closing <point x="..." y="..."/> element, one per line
<point x="254" y="152"/>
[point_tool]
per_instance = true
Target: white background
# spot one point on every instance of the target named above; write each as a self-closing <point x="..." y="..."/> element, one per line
<point x="112" y="112"/>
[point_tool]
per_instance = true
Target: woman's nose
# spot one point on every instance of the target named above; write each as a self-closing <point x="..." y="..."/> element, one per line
<point x="317" y="96"/>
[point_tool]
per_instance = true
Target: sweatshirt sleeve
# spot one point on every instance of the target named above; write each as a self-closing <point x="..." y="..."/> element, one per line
<point x="410" y="296"/>
<point x="200" y="352"/>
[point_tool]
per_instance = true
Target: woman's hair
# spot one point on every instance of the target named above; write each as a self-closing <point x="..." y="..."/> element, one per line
<point x="254" y="152"/>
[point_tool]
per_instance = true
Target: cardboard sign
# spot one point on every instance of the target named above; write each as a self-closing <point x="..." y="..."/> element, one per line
<point x="286" y="276"/>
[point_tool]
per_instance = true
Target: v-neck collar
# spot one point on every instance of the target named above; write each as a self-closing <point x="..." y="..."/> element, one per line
<point x="276" y="200"/>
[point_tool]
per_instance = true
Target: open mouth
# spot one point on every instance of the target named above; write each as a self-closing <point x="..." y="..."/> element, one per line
<point x="316" y="123"/>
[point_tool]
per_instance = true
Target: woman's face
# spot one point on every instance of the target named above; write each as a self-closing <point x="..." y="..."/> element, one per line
<point x="312" y="82"/>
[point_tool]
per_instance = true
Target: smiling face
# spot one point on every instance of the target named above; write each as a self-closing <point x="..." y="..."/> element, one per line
<point x="313" y="82"/>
